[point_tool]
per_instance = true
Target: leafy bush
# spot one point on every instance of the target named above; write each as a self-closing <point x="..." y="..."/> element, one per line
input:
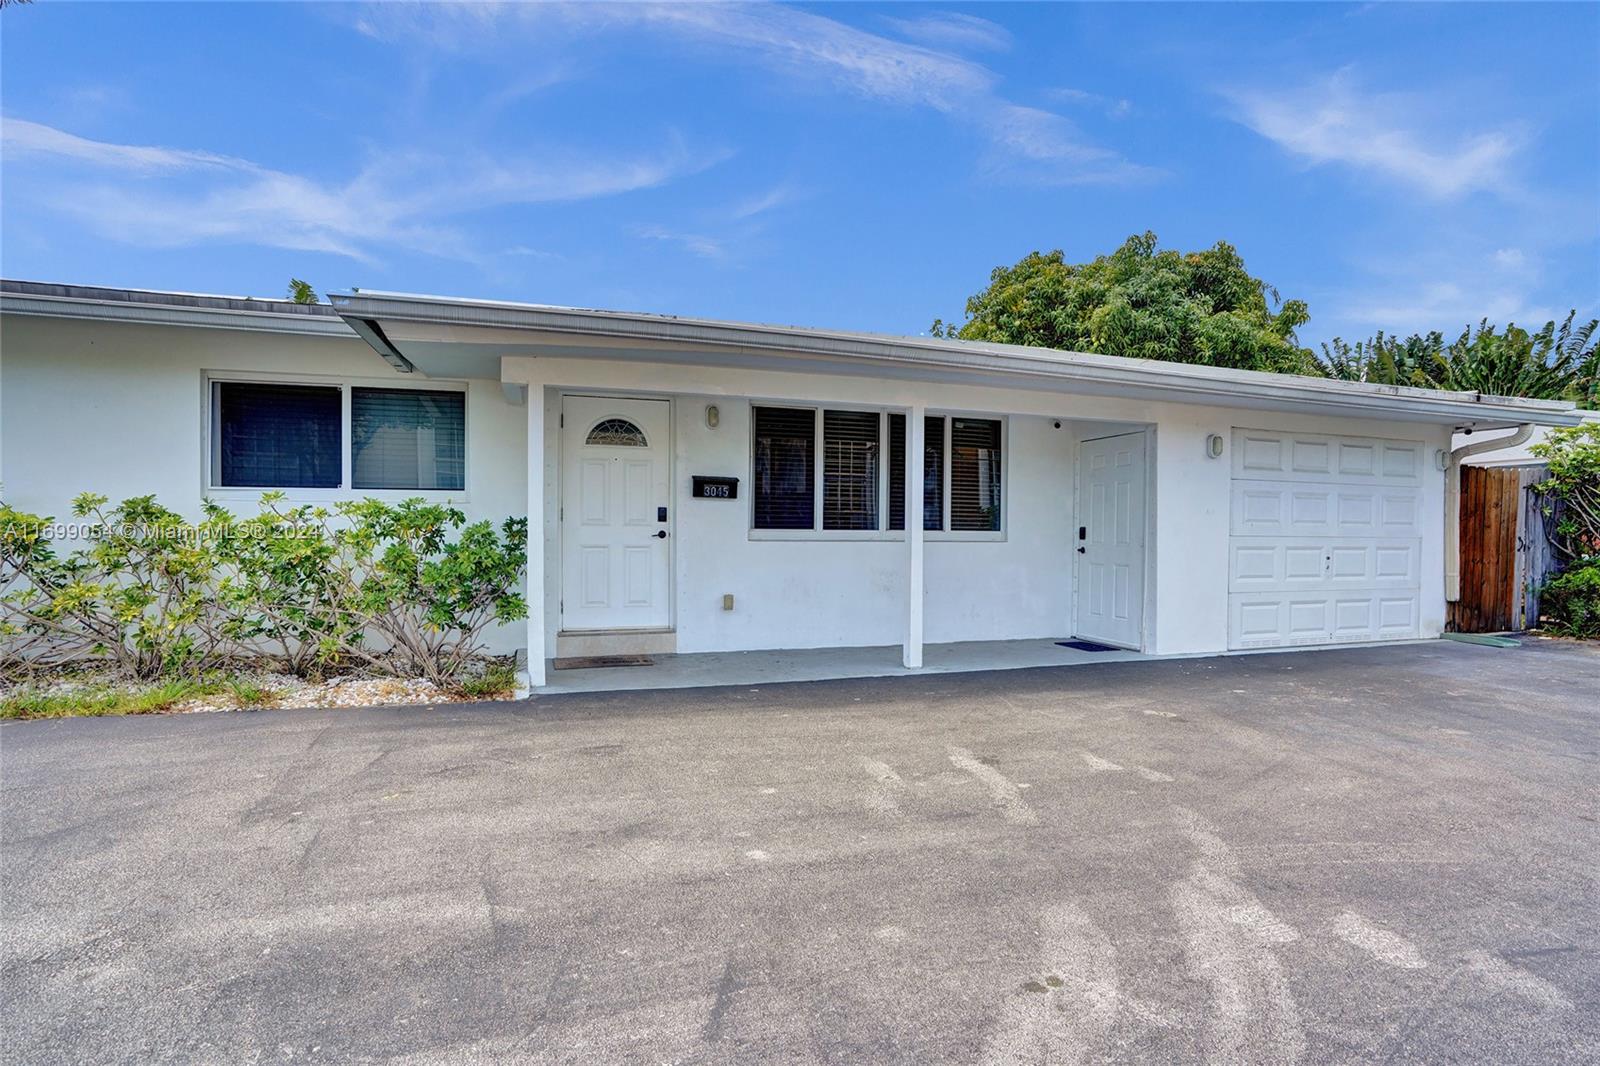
<point x="1571" y="494"/>
<point x="137" y="594"/>
<point x="1554" y="363"/>
<point x="1571" y="603"/>
<point x="406" y="589"/>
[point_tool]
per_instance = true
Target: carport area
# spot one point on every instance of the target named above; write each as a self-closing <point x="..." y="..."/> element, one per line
<point x="1383" y="854"/>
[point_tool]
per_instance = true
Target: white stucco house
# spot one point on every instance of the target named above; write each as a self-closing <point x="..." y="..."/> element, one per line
<point x="706" y="486"/>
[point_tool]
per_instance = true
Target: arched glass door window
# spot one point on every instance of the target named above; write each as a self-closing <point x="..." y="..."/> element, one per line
<point x="618" y="433"/>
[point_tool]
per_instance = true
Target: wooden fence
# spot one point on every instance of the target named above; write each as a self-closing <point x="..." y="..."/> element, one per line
<point x="1505" y="555"/>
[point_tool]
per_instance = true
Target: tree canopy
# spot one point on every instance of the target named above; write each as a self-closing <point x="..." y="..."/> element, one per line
<point x="1145" y="303"/>
<point x="1552" y="364"/>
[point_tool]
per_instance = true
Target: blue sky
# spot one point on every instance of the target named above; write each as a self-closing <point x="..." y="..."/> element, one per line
<point x="861" y="166"/>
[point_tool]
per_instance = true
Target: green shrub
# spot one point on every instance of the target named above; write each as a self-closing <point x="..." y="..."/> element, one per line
<point x="405" y="589"/>
<point x="1570" y="603"/>
<point x="1571" y="494"/>
<point x="138" y="594"/>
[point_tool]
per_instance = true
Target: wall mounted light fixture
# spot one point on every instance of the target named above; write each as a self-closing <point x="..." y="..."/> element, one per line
<point x="713" y="416"/>
<point x="1214" y="446"/>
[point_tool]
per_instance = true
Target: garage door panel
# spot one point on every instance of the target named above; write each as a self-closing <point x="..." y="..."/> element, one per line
<point x="1295" y="509"/>
<point x="1325" y="539"/>
<point x="1293" y="563"/>
<point x="1274" y="455"/>
<point x="1271" y="620"/>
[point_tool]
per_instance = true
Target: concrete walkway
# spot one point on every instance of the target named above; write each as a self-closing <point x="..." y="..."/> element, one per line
<point x="821" y="664"/>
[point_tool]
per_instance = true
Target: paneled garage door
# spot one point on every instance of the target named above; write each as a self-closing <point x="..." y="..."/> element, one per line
<point x="1325" y="539"/>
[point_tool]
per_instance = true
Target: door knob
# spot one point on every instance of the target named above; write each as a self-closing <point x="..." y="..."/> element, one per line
<point x="1081" y="551"/>
<point x="661" y="534"/>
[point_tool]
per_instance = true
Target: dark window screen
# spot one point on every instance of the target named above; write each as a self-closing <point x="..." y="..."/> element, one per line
<point x="278" y="436"/>
<point x="785" y="468"/>
<point x="897" y="471"/>
<point x="408" y="439"/>
<point x="974" y="474"/>
<point x="849" y="470"/>
<point x="932" y="472"/>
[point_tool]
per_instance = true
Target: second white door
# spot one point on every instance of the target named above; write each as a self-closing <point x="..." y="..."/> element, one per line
<point x="1109" y="540"/>
<point x="615" y="495"/>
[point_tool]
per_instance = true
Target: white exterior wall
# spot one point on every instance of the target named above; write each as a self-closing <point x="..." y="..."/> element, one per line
<point x="120" y="409"/>
<point x="831" y="591"/>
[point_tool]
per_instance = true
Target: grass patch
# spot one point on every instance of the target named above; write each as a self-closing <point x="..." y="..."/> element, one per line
<point x="498" y="680"/>
<point x="101" y="699"/>
<point x="252" y="694"/>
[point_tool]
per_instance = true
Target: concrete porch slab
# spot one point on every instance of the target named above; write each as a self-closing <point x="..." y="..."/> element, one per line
<point x="705" y="669"/>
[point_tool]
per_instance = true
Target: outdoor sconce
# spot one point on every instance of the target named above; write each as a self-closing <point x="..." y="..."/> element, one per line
<point x="1214" y="446"/>
<point x="713" y="416"/>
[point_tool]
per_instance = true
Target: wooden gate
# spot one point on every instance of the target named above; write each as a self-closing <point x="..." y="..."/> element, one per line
<point x="1505" y="556"/>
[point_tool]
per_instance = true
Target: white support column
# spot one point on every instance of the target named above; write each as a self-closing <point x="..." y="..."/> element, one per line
<point x="535" y="586"/>
<point x="915" y="420"/>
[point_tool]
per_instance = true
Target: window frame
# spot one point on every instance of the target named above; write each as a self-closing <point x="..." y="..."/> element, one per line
<point x="211" y="439"/>
<point x="883" y="532"/>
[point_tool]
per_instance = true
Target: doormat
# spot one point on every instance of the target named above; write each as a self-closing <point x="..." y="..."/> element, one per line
<point x="1084" y="645"/>
<point x="595" y="662"/>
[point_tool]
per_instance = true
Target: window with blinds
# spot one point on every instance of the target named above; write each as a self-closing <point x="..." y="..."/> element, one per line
<point x="863" y="462"/>
<point x="785" y="468"/>
<point x="974" y="474"/>
<point x="932" y="472"/>
<point x="408" y="439"/>
<point x="850" y="469"/>
<point x="278" y="436"/>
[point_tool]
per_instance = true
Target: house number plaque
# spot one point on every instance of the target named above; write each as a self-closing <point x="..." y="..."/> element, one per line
<point x="716" y="488"/>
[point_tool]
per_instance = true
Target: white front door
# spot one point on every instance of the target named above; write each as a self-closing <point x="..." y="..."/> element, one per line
<point x="615" y="495"/>
<point x="1109" y="540"/>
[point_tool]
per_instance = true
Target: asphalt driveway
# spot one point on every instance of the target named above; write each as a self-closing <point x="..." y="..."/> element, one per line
<point x="1336" y="856"/>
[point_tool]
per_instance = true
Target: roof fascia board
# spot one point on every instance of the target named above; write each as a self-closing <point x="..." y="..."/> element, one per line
<point x="172" y="315"/>
<point x="1175" y="381"/>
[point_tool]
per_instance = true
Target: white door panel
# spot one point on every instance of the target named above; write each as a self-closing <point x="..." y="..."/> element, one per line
<point x="1325" y="539"/>
<point x="1312" y="562"/>
<point x="1272" y="455"/>
<point x="615" y="478"/>
<point x="1286" y="507"/>
<point x="1110" y="567"/>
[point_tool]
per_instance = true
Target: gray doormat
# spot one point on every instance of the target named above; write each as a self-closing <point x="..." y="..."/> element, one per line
<point x="596" y="662"/>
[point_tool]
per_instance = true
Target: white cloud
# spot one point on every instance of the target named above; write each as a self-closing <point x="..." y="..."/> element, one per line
<point x="21" y="137"/>
<point x="953" y="30"/>
<point x="176" y="197"/>
<point x="808" y="48"/>
<point x="1043" y="148"/>
<point x="1334" y="121"/>
<point x="1112" y="106"/>
<point x="699" y="244"/>
<point x="761" y="203"/>
<point x="1444" y="290"/>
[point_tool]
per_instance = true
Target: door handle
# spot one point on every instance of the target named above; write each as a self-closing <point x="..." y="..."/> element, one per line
<point x="661" y="534"/>
<point x="1081" y="551"/>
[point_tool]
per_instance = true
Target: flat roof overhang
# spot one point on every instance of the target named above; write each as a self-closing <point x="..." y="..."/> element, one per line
<point x="458" y="337"/>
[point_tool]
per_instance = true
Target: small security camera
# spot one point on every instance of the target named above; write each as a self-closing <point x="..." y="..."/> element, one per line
<point x="1058" y="424"/>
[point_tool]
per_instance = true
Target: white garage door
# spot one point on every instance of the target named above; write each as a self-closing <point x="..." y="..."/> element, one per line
<point x="1325" y="539"/>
